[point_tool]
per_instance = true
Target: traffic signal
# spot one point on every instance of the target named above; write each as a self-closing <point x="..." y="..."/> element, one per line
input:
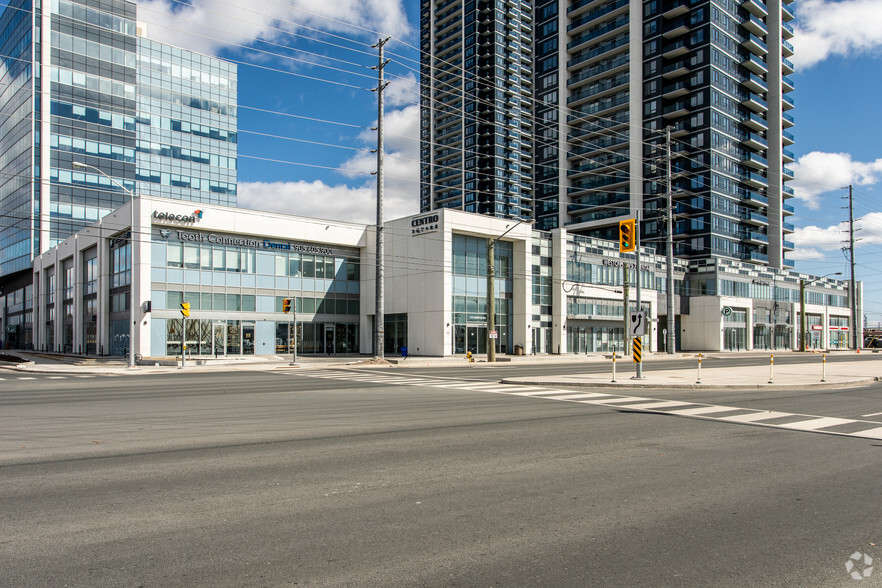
<point x="286" y="305"/>
<point x="185" y="309"/>
<point x="627" y="236"/>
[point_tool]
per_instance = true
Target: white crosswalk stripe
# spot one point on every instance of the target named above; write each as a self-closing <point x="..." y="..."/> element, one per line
<point x="681" y="408"/>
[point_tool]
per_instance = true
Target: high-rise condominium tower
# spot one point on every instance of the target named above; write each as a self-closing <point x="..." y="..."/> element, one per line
<point x="560" y="111"/>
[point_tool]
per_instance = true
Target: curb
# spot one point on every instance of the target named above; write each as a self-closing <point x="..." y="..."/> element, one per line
<point x="643" y="384"/>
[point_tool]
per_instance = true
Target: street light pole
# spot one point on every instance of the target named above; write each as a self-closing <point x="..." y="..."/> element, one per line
<point x="131" y="360"/>
<point x="802" y="322"/>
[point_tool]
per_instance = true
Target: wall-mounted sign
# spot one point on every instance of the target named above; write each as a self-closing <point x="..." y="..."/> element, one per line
<point x="619" y="263"/>
<point x="727" y="310"/>
<point x="251" y="242"/>
<point x="177" y="218"/>
<point x="425" y="224"/>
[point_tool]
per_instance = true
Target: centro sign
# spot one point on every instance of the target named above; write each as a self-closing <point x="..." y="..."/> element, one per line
<point x="177" y="218"/>
<point x="425" y="224"/>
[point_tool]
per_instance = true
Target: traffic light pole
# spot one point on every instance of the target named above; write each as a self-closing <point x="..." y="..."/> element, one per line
<point x="183" y="341"/>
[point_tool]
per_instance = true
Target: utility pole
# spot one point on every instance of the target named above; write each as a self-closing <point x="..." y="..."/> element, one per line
<point x="626" y="286"/>
<point x="492" y="334"/>
<point x="669" y="262"/>
<point x="379" y="313"/>
<point x="852" y="285"/>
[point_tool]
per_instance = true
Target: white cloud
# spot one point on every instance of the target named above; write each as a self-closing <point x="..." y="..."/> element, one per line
<point x="353" y="204"/>
<point x="815" y="243"/>
<point x="843" y="28"/>
<point x="817" y="172"/>
<point x="210" y="25"/>
<point x="319" y="200"/>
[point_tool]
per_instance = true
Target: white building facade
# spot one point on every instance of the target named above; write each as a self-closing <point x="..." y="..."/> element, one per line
<point x="554" y="292"/>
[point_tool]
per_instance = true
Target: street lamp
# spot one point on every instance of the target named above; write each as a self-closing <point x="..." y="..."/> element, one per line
<point x="491" y="293"/>
<point x="802" y="284"/>
<point x="81" y="165"/>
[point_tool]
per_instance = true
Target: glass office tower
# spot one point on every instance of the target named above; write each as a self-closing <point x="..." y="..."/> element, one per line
<point x="608" y="78"/>
<point x="80" y="83"/>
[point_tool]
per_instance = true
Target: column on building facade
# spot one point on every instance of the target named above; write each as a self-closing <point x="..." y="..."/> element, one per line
<point x="103" y="326"/>
<point x="558" y="296"/>
<point x="521" y="294"/>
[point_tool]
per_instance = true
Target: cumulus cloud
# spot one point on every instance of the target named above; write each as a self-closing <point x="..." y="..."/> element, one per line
<point x="359" y="203"/>
<point x="817" y="172"/>
<point x="815" y="243"/>
<point x="845" y="28"/>
<point x="208" y="26"/>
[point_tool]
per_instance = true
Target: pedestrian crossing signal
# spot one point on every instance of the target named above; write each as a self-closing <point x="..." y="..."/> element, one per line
<point x="627" y="236"/>
<point x="185" y="309"/>
<point x="286" y="305"/>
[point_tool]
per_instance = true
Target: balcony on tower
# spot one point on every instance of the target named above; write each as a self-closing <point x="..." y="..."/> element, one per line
<point x="755" y="64"/>
<point x="755" y="26"/>
<point x="755" y="45"/>
<point x="754" y="102"/>
<point x="755" y="160"/>
<point x="756" y="122"/>
<point x="755" y="141"/>
<point x="756" y="7"/>
<point x="755" y="83"/>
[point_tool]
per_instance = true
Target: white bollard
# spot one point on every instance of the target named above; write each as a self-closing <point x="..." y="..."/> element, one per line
<point x="614" y="368"/>
<point x="823" y="367"/>
<point x="699" y="369"/>
<point x="771" y="369"/>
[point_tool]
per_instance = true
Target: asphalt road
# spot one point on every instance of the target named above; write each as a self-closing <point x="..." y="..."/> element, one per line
<point x="282" y="479"/>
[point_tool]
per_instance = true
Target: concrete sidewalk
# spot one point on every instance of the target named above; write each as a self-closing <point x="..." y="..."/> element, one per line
<point x="715" y="372"/>
<point x="814" y="372"/>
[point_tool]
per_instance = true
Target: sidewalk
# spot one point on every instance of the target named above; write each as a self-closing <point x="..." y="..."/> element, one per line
<point x="715" y="373"/>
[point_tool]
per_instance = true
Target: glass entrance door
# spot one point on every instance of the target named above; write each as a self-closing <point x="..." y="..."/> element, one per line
<point x="329" y="339"/>
<point x="476" y="339"/>
<point x="219" y="340"/>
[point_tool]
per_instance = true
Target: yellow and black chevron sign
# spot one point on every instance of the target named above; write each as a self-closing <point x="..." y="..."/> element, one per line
<point x="638" y="350"/>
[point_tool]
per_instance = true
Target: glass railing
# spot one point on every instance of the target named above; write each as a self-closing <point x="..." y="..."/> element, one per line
<point x="757" y="139"/>
<point x="755" y="98"/>
<point x="596" y="13"/>
<point x="789" y="153"/>
<point x="787" y="62"/>
<point x="788" y="135"/>
<point x="787" y="190"/>
<point x="759" y="24"/>
<point x="759" y="120"/>
<point x="788" y="81"/>
<point x="788" y="208"/>
<point x="787" y="45"/>
<point x="787" y="171"/>
<point x="758" y="42"/>
<point x="788" y="227"/>
<point x="788" y="100"/>
<point x="759" y="81"/>
<point x="788" y="117"/>
<point x="598" y="69"/>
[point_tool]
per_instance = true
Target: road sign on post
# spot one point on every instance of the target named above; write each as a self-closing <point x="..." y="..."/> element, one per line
<point x="637" y="324"/>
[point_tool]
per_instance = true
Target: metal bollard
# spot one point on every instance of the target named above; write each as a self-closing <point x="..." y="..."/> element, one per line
<point x="771" y="368"/>
<point x="614" y="368"/>
<point x="699" y="369"/>
<point x="823" y="367"/>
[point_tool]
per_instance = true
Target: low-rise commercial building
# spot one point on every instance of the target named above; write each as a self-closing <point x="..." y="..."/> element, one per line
<point x="554" y="292"/>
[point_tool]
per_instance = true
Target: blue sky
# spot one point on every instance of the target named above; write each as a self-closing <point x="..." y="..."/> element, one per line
<point x="310" y="59"/>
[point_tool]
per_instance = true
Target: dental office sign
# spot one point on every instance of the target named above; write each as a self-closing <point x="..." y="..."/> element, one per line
<point x="251" y="242"/>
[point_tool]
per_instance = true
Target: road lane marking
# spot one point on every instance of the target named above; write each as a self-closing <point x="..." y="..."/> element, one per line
<point x="702" y="410"/>
<point x="872" y="433"/>
<point x="818" y="423"/>
<point x="658" y="404"/>
<point x="755" y="417"/>
<point x="871" y="414"/>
